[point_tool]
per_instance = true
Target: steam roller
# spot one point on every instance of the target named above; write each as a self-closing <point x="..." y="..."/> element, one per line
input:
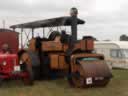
<point x="80" y="65"/>
<point x="62" y="55"/>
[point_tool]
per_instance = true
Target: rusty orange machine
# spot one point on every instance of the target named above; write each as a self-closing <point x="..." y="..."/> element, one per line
<point x="64" y="55"/>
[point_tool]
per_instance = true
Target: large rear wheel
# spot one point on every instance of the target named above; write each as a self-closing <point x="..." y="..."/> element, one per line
<point x="1" y="80"/>
<point x="26" y="60"/>
<point x="28" y="80"/>
<point x="90" y="74"/>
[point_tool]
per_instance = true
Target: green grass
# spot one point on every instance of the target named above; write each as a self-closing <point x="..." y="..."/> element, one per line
<point x="117" y="87"/>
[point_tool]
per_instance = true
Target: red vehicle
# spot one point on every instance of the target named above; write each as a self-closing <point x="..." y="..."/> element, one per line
<point x="10" y="67"/>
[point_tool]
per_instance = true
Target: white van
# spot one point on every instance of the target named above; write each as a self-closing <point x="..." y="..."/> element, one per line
<point x="115" y="52"/>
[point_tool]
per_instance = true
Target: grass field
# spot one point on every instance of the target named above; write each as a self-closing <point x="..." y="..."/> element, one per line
<point x="117" y="87"/>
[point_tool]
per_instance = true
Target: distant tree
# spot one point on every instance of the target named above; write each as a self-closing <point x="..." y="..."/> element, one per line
<point x="123" y="37"/>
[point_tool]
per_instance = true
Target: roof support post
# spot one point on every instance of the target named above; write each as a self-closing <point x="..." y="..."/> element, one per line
<point x="14" y="29"/>
<point x="22" y="38"/>
<point x="32" y="32"/>
<point x="43" y="32"/>
<point x="57" y="28"/>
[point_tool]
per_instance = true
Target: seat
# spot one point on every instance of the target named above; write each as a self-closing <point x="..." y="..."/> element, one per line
<point x="65" y="38"/>
<point x="53" y="35"/>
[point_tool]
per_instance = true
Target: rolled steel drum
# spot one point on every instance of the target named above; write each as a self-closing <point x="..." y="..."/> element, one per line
<point x="90" y="73"/>
<point x="24" y="58"/>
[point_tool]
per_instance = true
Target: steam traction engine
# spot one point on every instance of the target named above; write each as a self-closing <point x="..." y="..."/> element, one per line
<point x="64" y="55"/>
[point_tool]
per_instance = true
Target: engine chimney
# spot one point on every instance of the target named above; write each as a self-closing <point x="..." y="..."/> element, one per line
<point x="73" y="14"/>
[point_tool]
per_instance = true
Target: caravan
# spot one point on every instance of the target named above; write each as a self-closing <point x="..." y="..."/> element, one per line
<point x="115" y="52"/>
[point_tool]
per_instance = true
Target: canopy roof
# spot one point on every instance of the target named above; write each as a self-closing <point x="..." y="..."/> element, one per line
<point x="60" y="21"/>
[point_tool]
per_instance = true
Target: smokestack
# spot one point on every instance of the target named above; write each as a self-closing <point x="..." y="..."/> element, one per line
<point x="73" y="14"/>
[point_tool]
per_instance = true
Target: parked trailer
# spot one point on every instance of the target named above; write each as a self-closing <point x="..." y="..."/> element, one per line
<point x="115" y="52"/>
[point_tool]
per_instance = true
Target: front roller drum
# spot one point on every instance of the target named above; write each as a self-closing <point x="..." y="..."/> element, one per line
<point x="81" y="82"/>
<point x="83" y="78"/>
<point x="28" y="80"/>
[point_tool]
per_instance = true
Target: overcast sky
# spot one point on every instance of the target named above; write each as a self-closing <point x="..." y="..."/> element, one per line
<point x="105" y="19"/>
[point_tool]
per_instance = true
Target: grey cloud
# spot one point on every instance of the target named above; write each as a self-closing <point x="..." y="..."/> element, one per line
<point x="111" y="25"/>
<point x="42" y="5"/>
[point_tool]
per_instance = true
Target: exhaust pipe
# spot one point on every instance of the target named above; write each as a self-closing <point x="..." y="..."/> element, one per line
<point x="73" y="14"/>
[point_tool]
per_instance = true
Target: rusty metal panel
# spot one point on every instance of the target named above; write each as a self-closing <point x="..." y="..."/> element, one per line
<point x="10" y="38"/>
<point x="85" y="45"/>
<point x="52" y="46"/>
<point x="62" y="62"/>
<point x="95" y="69"/>
<point x="54" y="64"/>
<point x="57" y="62"/>
<point x="89" y="44"/>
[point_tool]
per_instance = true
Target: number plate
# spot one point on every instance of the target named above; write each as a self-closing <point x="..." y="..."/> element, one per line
<point x="16" y="68"/>
<point x="89" y="80"/>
